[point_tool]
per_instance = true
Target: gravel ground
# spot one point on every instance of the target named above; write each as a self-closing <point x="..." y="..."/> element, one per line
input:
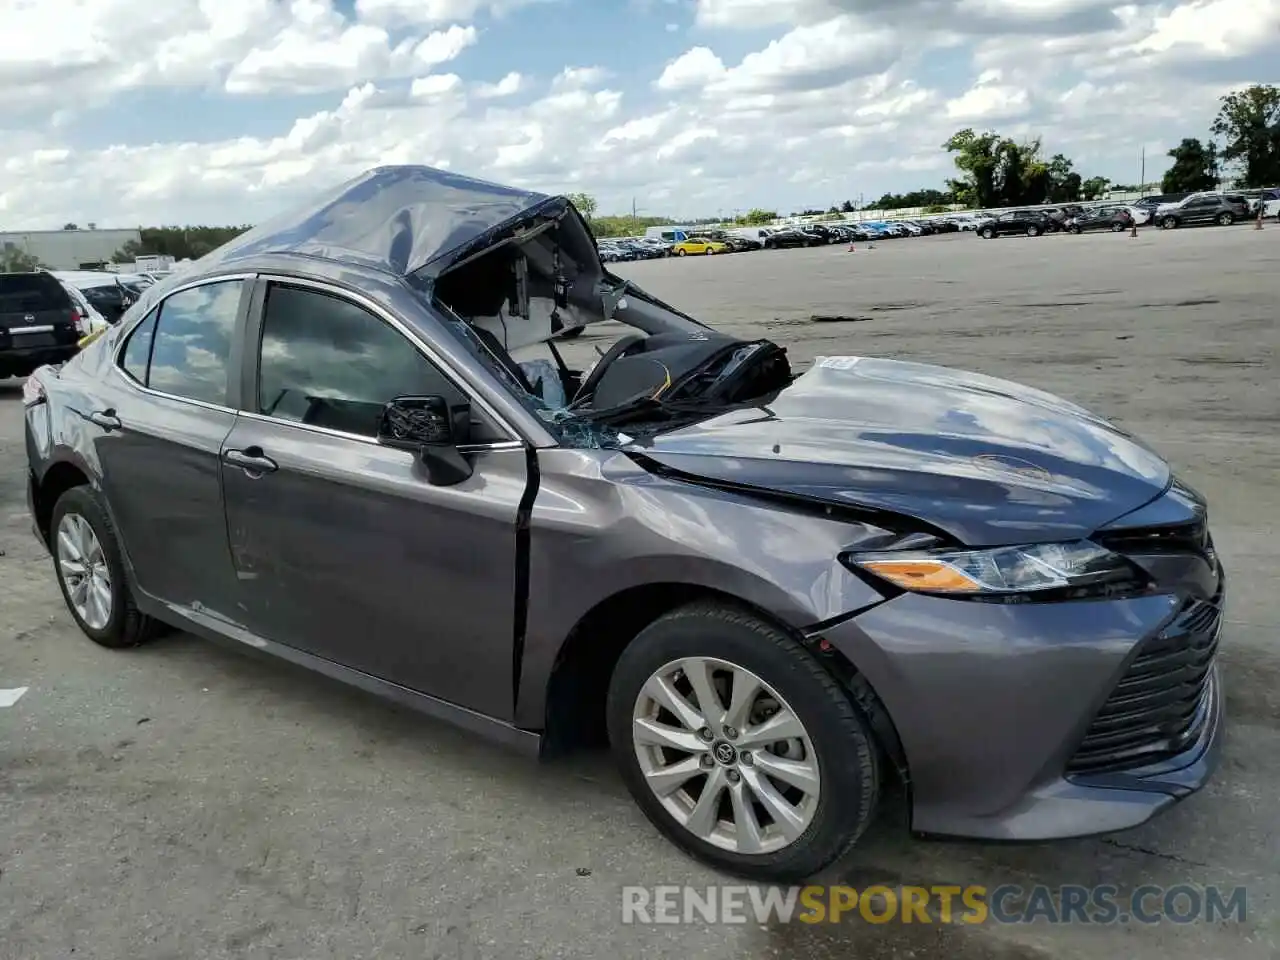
<point x="187" y="801"/>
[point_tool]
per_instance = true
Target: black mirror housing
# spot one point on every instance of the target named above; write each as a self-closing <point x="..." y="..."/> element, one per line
<point x="431" y="428"/>
<point x="411" y="423"/>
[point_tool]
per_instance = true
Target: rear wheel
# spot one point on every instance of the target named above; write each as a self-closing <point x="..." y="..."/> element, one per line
<point x="739" y="746"/>
<point x="682" y="253"/>
<point x="1033" y="231"/>
<point x="91" y="575"/>
<point x="987" y="233"/>
<point x="1117" y="228"/>
<point x="1226" y="218"/>
<point x="1076" y="230"/>
<point x="1168" y="223"/>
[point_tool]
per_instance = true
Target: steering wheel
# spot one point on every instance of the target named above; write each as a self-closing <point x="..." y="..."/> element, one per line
<point x="620" y="349"/>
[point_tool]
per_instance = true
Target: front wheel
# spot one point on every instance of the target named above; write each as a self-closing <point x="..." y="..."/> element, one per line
<point x="739" y="746"/>
<point x="1033" y="231"/>
<point x="682" y="253"/>
<point x="1076" y="230"/>
<point x="1168" y="223"/>
<point x="988" y="234"/>
<point x="1226" y="219"/>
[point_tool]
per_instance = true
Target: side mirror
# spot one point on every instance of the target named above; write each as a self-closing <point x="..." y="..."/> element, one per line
<point x="432" y="429"/>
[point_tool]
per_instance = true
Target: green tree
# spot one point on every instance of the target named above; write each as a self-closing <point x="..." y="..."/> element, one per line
<point x="1194" y="167"/>
<point x="15" y="260"/>
<point x="1094" y="188"/>
<point x="585" y="203"/>
<point x="916" y="198"/>
<point x="975" y="158"/>
<point x="625" y="226"/>
<point x="181" y="243"/>
<point x="70" y="226"/>
<point x="1249" y="124"/>
<point x="757" y="217"/>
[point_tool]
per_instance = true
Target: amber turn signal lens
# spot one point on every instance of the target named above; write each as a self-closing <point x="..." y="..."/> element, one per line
<point x="923" y="575"/>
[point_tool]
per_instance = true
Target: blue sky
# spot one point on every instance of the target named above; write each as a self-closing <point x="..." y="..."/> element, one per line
<point x="127" y="111"/>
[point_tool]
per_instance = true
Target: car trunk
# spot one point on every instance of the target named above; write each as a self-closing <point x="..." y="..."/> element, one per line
<point x="35" y="311"/>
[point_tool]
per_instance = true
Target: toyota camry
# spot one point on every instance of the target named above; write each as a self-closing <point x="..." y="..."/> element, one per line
<point x="348" y="438"/>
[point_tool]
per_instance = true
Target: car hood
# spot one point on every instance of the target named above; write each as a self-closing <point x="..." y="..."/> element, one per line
<point x="984" y="460"/>
<point x="402" y="219"/>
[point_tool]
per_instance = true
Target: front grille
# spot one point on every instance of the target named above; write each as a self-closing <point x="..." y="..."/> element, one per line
<point x="1161" y="704"/>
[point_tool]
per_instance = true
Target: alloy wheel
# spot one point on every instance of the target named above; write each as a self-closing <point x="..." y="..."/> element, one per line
<point x="726" y="756"/>
<point x="83" y="567"/>
<point x="1226" y="219"/>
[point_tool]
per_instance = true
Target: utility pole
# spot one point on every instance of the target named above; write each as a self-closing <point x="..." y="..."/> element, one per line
<point x="1142" y="177"/>
<point x="633" y="208"/>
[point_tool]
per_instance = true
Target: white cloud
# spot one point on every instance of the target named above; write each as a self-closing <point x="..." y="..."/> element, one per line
<point x="435" y="85"/>
<point x="693" y="68"/>
<point x="444" y="45"/>
<point x="840" y="97"/>
<point x="505" y="87"/>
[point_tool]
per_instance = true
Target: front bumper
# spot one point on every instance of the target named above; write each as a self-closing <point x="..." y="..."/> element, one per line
<point x="1001" y="709"/>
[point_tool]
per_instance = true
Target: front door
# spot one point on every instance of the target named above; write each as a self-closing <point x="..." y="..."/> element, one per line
<point x="343" y="547"/>
<point x="159" y="420"/>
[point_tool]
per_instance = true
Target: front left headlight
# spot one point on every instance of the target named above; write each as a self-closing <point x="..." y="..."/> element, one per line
<point x="1073" y="570"/>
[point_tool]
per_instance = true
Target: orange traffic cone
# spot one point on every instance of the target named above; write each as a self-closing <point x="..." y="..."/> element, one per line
<point x="1133" y="228"/>
<point x="852" y="248"/>
<point x="1258" y="226"/>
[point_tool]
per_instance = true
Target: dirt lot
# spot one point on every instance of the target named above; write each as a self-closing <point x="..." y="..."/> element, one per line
<point x="187" y="801"/>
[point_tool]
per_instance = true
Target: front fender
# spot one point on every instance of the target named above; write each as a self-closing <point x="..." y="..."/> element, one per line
<point x="602" y="525"/>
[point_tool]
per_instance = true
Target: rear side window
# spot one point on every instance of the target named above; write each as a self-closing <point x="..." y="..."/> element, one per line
<point x="192" y="342"/>
<point x="28" y="292"/>
<point x="137" y="351"/>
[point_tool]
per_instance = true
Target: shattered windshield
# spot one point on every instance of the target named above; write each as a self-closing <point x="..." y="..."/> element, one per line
<point x="516" y="304"/>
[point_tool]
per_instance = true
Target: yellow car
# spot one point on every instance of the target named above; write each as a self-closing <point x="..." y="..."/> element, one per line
<point x="698" y="245"/>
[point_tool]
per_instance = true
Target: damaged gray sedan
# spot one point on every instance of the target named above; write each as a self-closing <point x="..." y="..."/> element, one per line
<point x="347" y="438"/>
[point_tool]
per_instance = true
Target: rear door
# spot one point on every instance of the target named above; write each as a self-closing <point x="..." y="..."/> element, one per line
<point x="36" y="314"/>
<point x="160" y="418"/>
<point x="1200" y="209"/>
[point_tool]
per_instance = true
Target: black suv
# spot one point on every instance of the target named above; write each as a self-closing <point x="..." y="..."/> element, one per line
<point x="1221" y="208"/>
<point x="38" y="323"/>
<point x="1029" y="222"/>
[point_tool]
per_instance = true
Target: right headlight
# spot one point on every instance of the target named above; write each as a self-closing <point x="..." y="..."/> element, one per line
<point x="1073" y="570"/>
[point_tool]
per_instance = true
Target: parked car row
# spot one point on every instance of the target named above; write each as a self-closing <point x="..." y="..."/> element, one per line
<point x="1168" y="211"/>
<point x="1165" y="212"/>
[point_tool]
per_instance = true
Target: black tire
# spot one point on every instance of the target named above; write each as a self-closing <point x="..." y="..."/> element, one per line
<point x="1168" y="223"/>
<point x="1226" y="218"/>
<point x="126" y="626"/>
<point x="1117" y="228"/>
<point x="1033" y="231"/>
<point x="1077" y="230"/>
<point x="987" y="233"/>
<point x="682" y="253"/>
<point x="843" y="744"/>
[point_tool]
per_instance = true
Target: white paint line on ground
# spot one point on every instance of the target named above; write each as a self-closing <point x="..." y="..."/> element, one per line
<point x="9" y="697"/>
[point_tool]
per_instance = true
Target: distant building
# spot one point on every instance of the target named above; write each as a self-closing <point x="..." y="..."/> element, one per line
<point x="68" y="249"/>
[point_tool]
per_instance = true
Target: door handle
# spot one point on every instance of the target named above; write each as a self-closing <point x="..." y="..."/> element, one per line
<point x="106" y="419"/>
<point x="251" y="460"/>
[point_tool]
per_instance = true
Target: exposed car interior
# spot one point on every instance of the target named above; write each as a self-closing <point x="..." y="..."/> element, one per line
<point x="515" y="296"/>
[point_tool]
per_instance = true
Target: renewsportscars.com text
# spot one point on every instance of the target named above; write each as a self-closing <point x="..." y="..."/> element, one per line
<point x="1005" y="904"/>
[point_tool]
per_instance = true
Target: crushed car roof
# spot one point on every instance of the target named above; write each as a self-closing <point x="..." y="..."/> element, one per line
<point x="398" y="219"/>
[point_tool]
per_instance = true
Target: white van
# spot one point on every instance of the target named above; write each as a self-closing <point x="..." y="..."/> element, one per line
<point x="668" y="233"/>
